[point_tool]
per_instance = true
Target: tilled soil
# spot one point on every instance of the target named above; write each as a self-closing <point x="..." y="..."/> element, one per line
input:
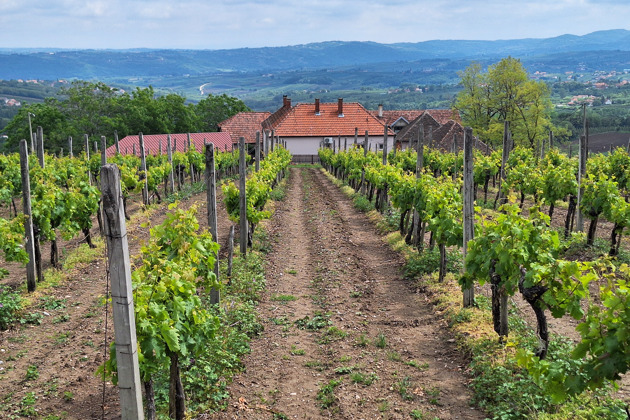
<point x="377" y="349"/>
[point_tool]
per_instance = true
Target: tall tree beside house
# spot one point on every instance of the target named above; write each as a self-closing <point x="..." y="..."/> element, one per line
<point x="505" y="92"/>
<point x="217" y="108"/>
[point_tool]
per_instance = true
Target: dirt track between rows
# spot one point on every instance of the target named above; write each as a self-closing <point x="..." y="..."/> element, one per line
<point x="381" y="342"/>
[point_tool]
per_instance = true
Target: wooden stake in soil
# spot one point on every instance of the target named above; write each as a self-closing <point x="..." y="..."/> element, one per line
<point x="143" y="168"/>
<point x="70" y="146"/>
<point x="87" y="157"/>
<point x="103" y="149"/>
<point x="116" y="142"/>
<point x="40" y="146"/>
<point x="171" y="176"/>
<point x="581" y="171"/>
<point x="243" y="196"/>
<point x="257" y="151"/>
<point x="230" y="253"/>
<point x="501" y="199"/>
<point x="468" y="210"/>
<point x="119" y="267"/>
<point x="31" y="274"/>
<point x="211" y="190"/>
<point x="385" y="145"/>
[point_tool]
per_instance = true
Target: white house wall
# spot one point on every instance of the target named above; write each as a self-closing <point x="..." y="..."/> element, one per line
<point x="310" y="145"/>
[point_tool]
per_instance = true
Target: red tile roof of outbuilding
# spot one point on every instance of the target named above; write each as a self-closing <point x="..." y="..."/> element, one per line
<point x="244" y="124"/>
<point x="221" y="141"/>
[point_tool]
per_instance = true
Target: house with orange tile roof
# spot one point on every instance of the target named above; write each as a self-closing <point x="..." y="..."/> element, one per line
<point x="244" y="124"/>
<point x="306" y="127"/>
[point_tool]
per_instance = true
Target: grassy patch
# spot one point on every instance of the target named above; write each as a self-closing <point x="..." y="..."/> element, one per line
<point x="283" y="298"/>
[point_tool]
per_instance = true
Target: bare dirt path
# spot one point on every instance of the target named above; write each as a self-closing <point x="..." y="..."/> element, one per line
<point x="345" y="336"/>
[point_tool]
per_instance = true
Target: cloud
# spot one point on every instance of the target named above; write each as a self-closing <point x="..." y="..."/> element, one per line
<point x="255" y="23"/>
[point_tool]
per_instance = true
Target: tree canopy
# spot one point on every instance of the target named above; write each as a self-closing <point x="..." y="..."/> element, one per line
<point x="95" y="109"/>
<point x="504" y="92"/>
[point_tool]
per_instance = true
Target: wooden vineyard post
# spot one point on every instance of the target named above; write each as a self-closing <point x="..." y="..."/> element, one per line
<point x="385" y="145"/>
<point x="31" y="274"/>
<point x="116" y="142"/>
<point x="257" y="151"/>
<point x="87" y="158"/>
<point x="243" y="196"/>
<point x="192" y="167"/>
<point x="468" y="210"/>
<point x="143" y="168"/>
<point x="230" y="252"/>
<point x="103" y="151"/>
<point x="356" y="135"/>
<point x="365" y="152"/>
<point x="581" y="171"/>
<point x="171" y="176"/>
<point x="417" y="236"/>
<point x="211" y="190"/>
<point x="345" y="144"/>
<point x="273" y="137"/>
<point x="119" y="267"/>
<point x="504" y="158"/>
<point x="40" y="146"/>
<point x="550" y="140"/>
<point x="70" y="146"/>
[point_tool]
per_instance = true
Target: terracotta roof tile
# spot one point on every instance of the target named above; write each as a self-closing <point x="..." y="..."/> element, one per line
<point x="244" y="124"/>
<point x="301" y="121"/>
<point x="221" y="141"/>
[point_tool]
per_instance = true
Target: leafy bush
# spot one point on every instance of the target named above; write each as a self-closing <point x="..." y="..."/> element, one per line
<point x="10" y="305"/>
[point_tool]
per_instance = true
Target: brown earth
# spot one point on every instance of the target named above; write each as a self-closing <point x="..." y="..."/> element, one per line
<point x="390" y="353"/>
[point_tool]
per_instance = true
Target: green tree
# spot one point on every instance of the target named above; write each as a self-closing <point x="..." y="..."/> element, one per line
<point x="48" y="116"/>
<point x="503" y="93"/>
<point x="216" y="108"/>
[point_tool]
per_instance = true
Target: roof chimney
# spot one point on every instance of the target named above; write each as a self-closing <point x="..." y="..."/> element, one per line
<point x="380" y="110"/>
<point x="317" y="106"/>
<point x="284" y="100"/>
<point x="340" y="107"/>
<point x="288" y="103"/>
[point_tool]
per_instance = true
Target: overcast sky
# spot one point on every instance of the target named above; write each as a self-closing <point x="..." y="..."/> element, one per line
<point x="218" y="24"/>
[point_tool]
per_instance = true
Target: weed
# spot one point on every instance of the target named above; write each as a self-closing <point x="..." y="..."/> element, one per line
<point x="34" y="318"/>
<point x="283" y="298"/>
<point x="68" y="396"/>
<point x="393" y="356"/>
<point x="428" y="262"/>
<point x="420" y="366"/>
<point x="362" y="204"/>
<point x="27" y="405"/>
<point x="61" y="318"/>
<point x="434" y="394"/>
<point x="61" y="338"/>
<point x="32" y="373"/>
<point x="332" y="334"/>
<point x="319" y="321"/>
<point x="402" y="387"/>
<point x="362" y="340"/>
<point x="297" y="352"/>
<point x="383" y="406"/>
<point x="356" y="294"/>
<point x="380" y="341"/>
<point x="282" y="320"/>
<point x="345" y="358"/>
<point x="292" y="271"/>
<point x="50" y="303"/>
<point x="315" y="364"/>
<point x="344" y="370"/>
<point x="363" y="379"/>
<point x="10" y="304"/>
<point x="326" y="394"/>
